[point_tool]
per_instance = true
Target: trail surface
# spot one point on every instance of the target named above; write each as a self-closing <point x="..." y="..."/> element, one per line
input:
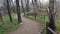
<point x="28" y="27"/>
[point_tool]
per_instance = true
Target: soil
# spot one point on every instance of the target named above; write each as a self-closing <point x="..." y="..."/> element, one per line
<point x="28" y="27"/>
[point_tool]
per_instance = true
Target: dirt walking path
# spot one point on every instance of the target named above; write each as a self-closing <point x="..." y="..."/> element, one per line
<point x="28" y="27"/>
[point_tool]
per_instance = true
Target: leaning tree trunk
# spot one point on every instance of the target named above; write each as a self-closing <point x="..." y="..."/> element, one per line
<point x="9" y="10"/>
<point x="18" y="11"/>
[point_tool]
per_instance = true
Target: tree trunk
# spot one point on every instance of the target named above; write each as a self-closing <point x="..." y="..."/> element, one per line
<point x="13" y="9"/>
<point x="18" y="11"/>
<point x="51" y="16"/>
<point x="35" y="7"/>
<point x="22" y="7"/>
<point x="40" y="3"/>
<point x="1" y="16"/>
<point x="27" y="6"/>
<point x="9" y="10"/>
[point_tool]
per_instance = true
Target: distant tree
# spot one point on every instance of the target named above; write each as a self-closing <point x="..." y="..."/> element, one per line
<point x="22" y="7"/>
<point x="5" y="4"/>
<point x="27" y="6"/>
<point x="35" y="6"/>
<point x="12" y="6"/>
<point x="35" y="2"/>
<point x="32" y="1"/>
<point x="18" y="11"/>
<point x="8" y="7"/>
<point x="40" y="3"/>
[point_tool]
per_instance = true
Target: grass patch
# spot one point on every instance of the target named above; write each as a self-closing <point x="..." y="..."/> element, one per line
<point x="30" y="17"/>
<point x="2" y="31"/>
<point x="39" y="19"/>
<point x="6" y="17"/>
<point x="57" y="24"/>
<point x="7" y="25"/>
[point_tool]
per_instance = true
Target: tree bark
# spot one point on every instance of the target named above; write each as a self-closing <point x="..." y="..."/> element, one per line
<point x="27" y="6"/>
<point x="18" y="11"/>
<point x="1" y="16"/>
<point x="51" y="16"/>
<point x="9" y="11"/>
<point x="22" y="7"/>
<point x="35" y="7"/>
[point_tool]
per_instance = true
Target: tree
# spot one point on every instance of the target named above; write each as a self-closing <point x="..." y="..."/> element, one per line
<point x="27" y="6"/>
<point x="40" y="3"/>
<point x="1" y="16"/>
<point x="22" y="7"/>
<point x="12" y="7"/>
<point x="5" y="4"/>
<point x="18" y="11"/>
<point x="51" y="16"/>
<point x="32" y="1"/>
<point x="35" y="6"/>
<point x="9" y="10"/>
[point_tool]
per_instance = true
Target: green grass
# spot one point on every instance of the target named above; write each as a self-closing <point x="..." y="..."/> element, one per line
<point x="6" y="17"/>
<point x="30" y="17"/>
<point x="41" y="19"/>
<point x="2" y="31"/>
<point x="7" y="25"/>
<point x="57" y="24"/>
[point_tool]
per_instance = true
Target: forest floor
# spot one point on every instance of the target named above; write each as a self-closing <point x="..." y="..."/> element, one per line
<point x="28" y="27"/>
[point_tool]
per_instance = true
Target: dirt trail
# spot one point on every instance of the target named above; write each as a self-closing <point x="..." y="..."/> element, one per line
<point x="28" y="27"/>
